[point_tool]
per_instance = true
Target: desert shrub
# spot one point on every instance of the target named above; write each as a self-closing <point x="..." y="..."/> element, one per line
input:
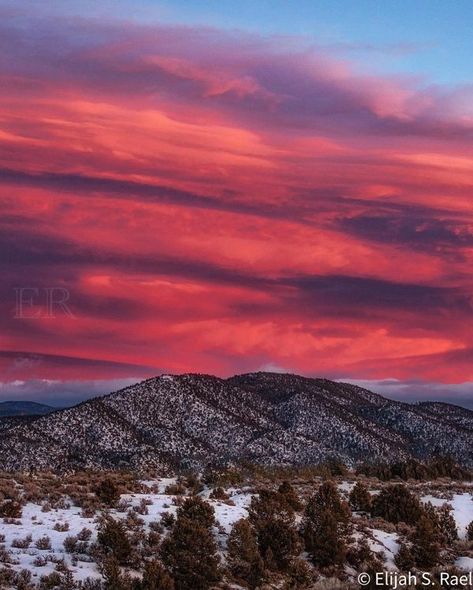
<point x="193" y="484"/>
<point x="167" y="519"/>
<point x="5" y="556"/>
<point x="359" y="554"/>
<point x="123" y="505"/>
<point x="175" y="489"/>
<point x="395" y="503"/>
<point x="153" y="539"/>
<point x="23" y="580"/>
<point x="108" y="492"/>
<point x="142" y="507"/>
<point x="70" y="544"/>
<point x="44" y="543"/>
<point x="224" y="477"/>
<point x="412" y="469"/>
<point x="22" y="543"/>
<point x="91" y="584"/>
<point x="219" y="494"/>
<point x="40" y="561"/>
<point x="50" y="582"/>
<point x="10" y="509"/>
<point x="84" y="535"/>
<point x="133" y="521"/>
<point x="61" y="527"/>
<point x="156" y="526"/>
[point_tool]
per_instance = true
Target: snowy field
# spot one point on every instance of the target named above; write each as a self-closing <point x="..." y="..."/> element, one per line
<point x="38" y="540"/>
<point x="38" y="525"/>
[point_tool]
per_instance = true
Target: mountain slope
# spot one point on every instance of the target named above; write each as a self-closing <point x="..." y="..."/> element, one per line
<point x="195" y="420"/>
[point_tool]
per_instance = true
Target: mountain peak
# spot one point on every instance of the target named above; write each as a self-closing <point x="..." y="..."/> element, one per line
<point x="268" y="418"/>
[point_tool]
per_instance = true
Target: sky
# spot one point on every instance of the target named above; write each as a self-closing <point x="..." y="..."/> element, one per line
<point x="224" y="187"/>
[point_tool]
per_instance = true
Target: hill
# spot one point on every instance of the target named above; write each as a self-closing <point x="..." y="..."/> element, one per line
<point x="266" y="418"/>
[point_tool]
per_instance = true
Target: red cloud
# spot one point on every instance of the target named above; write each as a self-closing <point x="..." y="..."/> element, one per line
<point x="219" y="202"/>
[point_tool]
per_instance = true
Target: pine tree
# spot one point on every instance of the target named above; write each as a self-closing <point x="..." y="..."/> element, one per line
<point x="190" y="552"/>
<point x="326" y="523"/>
<point x="447" y="525"/>
<point x="469" y="531"/>
<point x="396" y="503"/>
<point x="113" y="578"/>
<point x="328" y="498"/>
<point x="197" y="510"/>
<point x="290" y="494"/>
<point x="273" y="520"/>
<point x="324" y="541"/>
<point x="113" y="538"/>
<point x="404" y="558"/>
<point x="360" y="498"/>
<point x="244" y="559"/>
<point x="155" y="577"/>
<point x="425" y="546"/>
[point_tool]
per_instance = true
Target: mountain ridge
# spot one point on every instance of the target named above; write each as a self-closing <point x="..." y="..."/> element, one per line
<point x="195" y="419"/>
<point x="24" y="408"/>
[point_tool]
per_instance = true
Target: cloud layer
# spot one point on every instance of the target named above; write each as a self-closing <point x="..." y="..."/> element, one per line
<point x="219" y="202"/>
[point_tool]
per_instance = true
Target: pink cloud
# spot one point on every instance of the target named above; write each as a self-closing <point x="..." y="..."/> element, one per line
<point x="217" y="201"/>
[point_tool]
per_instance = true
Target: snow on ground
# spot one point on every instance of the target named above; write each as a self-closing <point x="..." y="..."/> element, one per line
<point x="462" y="505"/>
<point x="387" y="543"/>
<point x="464" y="563"/>
<point x="40" y="524"/>
<point x="346" y="487"/>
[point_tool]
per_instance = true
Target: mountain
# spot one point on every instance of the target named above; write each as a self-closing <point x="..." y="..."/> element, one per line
<point x="24" y="408"/>
<point x="266" y="418"/>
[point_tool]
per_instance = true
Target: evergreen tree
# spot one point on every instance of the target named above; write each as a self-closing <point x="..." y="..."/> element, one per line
<point x="469" y="531"/>
<point x="155" y="577"/>
<point x="447" y="525"/>
<point x="396" y="503"/>
<point x="328" y="498"/>
<point x="290" y="494"/>
<point x="197" y="510"/>
<point x="360" y="498"/>
<point x="299" y="575"/>
<point x="404" y="558"/>
<point x="273" y="520"/>
<point x="324" y="541"/>
<point x="244" y="559"/>
<point x="113" y="578"/>
<point x="113" y="538"/>
<point x="425" y="548"/>
<point x="190" y="551"/>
